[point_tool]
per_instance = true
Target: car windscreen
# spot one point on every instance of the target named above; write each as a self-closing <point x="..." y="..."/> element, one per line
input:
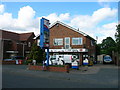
<point x="14" y="58"/>
<point x="107" y="58"/>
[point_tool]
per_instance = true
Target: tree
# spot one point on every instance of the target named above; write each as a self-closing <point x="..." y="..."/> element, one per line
<point x="37" y="53"/>
<point x="107" y="46"/>
<point x="98" y="48"/>
<point x="117" y="36"/>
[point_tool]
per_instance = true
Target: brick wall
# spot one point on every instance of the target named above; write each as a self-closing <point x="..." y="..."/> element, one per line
<point x="62" y="32"/>
<point x="50" y="68"/>
<point x="8" y="62"/>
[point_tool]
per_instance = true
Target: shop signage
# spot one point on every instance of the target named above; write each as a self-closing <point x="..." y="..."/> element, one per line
<point x="68" y="50"/>
<point x="44" y="33"/>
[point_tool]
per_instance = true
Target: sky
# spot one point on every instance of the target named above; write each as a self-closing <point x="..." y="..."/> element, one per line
<point x="93" y="18"/>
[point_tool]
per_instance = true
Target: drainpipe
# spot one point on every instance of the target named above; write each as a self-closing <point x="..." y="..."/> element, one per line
<point x="23" y="49"/>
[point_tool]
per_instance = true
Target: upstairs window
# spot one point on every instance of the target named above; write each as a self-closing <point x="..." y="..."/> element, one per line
<point x="29" y="44"/>
<point x="58" y="41"/>
<point x="92" y="42"/>
<point x="77" y="41"/>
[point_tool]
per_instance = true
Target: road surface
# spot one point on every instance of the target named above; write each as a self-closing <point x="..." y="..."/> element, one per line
<point x="99" y="76"/>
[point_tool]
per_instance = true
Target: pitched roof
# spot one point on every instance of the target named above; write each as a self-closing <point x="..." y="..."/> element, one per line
<point x="25" y="36"/>
<point x="76" y="30"/>
<point x="68" y="27"/>
<point x="16" y="36"/>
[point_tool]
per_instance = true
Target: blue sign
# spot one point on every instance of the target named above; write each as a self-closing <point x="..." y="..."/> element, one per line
<point x="44" y="33"/>
<point x="44" y="37"/>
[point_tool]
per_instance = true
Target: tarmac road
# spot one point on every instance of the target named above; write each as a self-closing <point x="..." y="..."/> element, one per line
<point x="98" y="76"/>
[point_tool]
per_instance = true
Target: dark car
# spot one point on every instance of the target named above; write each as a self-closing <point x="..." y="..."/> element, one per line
<point x="17" y="58"/>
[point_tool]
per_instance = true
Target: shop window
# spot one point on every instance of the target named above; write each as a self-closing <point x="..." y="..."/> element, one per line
<point x="77" y="41"/>
<point x="58" y="41"/>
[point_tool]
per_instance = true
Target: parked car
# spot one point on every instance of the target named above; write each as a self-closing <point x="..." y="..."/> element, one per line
<point x="107" y="59"/>
<point x="15" y="58"/>
<point x="8" y="59"/>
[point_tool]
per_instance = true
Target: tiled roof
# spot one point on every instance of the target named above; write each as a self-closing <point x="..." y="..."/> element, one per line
<point x="16" y="36"/>
<point x="25" y="36"/>
<point x="76" y="30"/>
<point x="68" y="27"/>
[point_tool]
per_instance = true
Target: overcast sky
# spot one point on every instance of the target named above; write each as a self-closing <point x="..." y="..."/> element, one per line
<point x="93" y="18"/>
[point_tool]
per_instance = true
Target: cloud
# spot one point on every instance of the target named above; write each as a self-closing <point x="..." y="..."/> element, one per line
<point x="54" y="17"/>
<point x="25" y="17"/>
<point x="6" y="20"/>
<point x="106" y="30"/>
<point x="103" y="13"/>
<point x="1" y="8"/>
<point x="26" y="21"/>
<point x="89" y="24"/>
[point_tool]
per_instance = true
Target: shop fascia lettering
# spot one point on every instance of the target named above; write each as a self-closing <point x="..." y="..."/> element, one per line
<point x="68" y="50"/>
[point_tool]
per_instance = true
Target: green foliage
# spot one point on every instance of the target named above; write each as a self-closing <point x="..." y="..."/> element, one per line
<point x="37" y="53"/>
<point x="98" y="48"/>
<point x="27" y="61"/>
<point x="39" y="64"/>
<point x="117" y="36"/>
<point x="107" y="46"/>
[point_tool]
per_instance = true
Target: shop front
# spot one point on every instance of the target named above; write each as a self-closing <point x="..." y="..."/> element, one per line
<point x="79" y="53"/>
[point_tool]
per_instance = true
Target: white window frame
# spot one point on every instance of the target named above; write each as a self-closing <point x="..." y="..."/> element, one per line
<point x="38" y="42"/>
<point x="78" y="38"/>
<point x="92" y="43"/>
<point x="58" y="43"/>
<point x="29" y="44"/>
<point x="67" y="43"/>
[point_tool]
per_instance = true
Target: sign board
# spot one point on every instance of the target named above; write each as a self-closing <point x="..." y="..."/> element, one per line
<point x="68" y="50"/>
<point x="44" y="33"/>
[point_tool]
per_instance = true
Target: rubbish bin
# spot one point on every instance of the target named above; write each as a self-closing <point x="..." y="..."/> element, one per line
<point x="85" y="62"/>
<point x="75" y="65"/>
<point x="19" y="61"/>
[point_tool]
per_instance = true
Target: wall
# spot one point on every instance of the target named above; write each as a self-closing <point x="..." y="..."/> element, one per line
<point x="50" y="68"/>
<point x="91" y="49"/>
<point x="1" y="49"/>
<point x="1" y="46"/>
<point x="62" y="32"/>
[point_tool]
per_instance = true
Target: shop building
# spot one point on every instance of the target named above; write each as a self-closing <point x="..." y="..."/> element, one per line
<point x="65" y="39"/>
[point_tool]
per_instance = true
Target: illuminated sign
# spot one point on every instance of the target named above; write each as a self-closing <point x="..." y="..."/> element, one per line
<point x="44" y="33"/>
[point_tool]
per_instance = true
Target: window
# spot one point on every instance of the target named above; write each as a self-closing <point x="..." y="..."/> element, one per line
<point x="92" y="43"/>
<point x="67" y="42"/>
<point x="38" y="42"/>
<point x="58" y="41"/>
<point x="77" y="41"/>
<point x="29" y="44"/>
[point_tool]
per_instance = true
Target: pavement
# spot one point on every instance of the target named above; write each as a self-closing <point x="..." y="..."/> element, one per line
<point x="97" y="76"/>
<point x="92" y="69"/>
